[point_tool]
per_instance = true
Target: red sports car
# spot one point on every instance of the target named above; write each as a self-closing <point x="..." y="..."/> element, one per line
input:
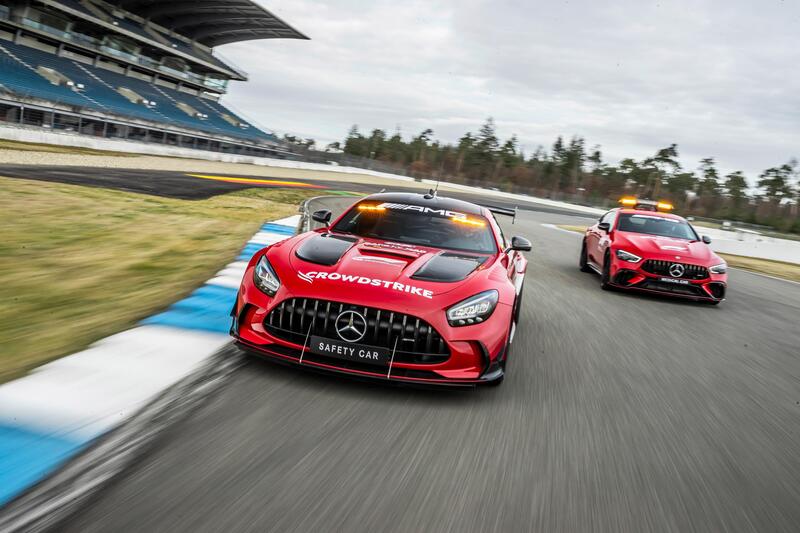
<point x="644" y="249"/>
<point x="403" y="287"/>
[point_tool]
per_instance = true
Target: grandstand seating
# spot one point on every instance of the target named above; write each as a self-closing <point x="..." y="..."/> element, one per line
<point x="18" y="64"/>
<point x="137" y="29"/>
<point x="23" y="79"/>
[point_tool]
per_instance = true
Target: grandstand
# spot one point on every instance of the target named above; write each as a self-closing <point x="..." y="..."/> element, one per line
<point x="142" y="70"/>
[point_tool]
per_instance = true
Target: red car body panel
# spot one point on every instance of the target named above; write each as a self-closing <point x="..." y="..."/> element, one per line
<point x="377" y="274"/>
<point x="657" y="254"/>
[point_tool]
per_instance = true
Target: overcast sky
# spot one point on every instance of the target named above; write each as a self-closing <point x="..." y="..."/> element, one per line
<point x="720" y="78"/>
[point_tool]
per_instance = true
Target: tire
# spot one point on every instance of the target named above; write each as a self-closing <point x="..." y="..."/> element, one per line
<point x="583" y="262"/>
<point x="497" y="382"/>
<point x="605" y="276"/>
<point x="507" y="351"/>
<point x="518" y="305"/>
<point x="503" y="365"/>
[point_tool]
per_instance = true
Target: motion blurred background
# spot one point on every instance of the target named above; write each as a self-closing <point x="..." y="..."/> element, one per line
<point x="139" y="170"/>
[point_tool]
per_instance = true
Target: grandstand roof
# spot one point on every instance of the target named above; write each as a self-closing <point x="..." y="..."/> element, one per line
<point x="213" y="22"/>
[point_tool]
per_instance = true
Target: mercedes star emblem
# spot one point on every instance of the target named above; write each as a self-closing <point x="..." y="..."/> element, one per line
<point x="351" y="326"/>
<point x="676" y="270"/>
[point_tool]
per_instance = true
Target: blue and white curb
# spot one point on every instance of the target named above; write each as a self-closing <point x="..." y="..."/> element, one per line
<point x="52" y="414"/>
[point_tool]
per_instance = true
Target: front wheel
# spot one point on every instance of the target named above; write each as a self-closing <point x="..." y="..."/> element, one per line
<point x="605" y="275"/>
<point x="503" y="365"/>
<point x="583" y="262"/>
<point x="518" y="305"/>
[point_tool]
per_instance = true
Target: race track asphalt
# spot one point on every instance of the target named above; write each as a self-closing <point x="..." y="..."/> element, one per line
<point x="620" y="412"/>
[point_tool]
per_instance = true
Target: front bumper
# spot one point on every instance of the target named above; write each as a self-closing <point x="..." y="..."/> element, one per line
<point x="398" y="375"/>
<point x="475" y="352"/>
<point x="629" y="276"/>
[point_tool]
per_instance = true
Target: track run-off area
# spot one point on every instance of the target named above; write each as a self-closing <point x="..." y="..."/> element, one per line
<point x="620" y="412"/>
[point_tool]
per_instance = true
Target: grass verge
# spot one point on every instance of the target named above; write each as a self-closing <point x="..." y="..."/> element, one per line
<point x="80" y="263"/>
<point x="778" y="269"/>
<point x="576" y="229"/>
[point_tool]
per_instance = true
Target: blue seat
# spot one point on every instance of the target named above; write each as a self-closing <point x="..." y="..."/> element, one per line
<point x="18" y="64"/>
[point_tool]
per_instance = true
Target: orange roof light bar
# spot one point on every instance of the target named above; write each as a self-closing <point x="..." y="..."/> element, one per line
<point x="645" y="205"/>
<point x="468" y="221"/>
<point x="376" y="208"/>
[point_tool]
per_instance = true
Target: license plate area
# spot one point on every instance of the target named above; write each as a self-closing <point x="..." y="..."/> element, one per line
<point x="675" y="281"/>
<point x="349" y="351"/>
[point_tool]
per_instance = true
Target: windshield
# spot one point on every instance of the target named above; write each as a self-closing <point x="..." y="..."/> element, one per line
<point x="412" y="224"/>
<point x="655" y="225"/>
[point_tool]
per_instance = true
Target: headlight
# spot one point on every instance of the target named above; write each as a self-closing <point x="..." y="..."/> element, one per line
<point x="721" y="268"/>
<point x="473" y="310"/>
<point x="627" y="256"/>
<point x="265" y="277"/>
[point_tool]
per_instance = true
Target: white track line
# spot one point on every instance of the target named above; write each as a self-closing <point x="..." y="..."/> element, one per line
<point x="89" y="392"/>
<point x="267" y="237"/>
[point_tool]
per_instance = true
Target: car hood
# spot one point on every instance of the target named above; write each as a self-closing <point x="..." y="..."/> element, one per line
<point x="383" y="271"/>
<point x="666" y="248"/>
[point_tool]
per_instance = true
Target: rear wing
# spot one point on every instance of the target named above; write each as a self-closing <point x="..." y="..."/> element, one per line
<point x="505" y="211"/>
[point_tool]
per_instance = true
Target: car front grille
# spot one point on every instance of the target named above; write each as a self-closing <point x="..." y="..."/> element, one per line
<point x="661" y="286"/>
<point x="661" y="268"/>
<point x="417" y="341"/>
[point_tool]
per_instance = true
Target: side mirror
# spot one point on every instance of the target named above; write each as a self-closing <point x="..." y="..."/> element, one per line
<point x="706" y="239"/>
<point x="520" y="244"/>
<point x="323" y="216"/>
<point x="605" y="226"/>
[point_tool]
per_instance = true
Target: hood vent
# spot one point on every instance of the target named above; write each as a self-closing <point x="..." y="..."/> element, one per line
<point x="448" y="267"/>
<point x="325" y="249"/>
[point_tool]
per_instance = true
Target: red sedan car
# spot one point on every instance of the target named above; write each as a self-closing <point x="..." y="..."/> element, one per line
<point x="643" y="249"/>
<point x="403" y="287"/>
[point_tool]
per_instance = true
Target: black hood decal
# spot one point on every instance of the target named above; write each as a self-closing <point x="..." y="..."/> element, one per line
<point x="325" y="249"/>
<point x="448" y="267"/>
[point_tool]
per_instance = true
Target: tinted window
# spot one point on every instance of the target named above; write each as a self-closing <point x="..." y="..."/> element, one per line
<point x="655" y="225"/>
<point x="416" y="225"/>
<point x="503" y="241"/>
<point x="608" y="218"/>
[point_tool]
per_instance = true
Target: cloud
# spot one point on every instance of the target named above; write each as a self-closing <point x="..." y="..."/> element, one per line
<point x="715" y="77"/>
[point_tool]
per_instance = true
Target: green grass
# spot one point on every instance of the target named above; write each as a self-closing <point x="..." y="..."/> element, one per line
<point x="576" y="229"/>
<point x="778" y="269"/>
<point x="80" y="263"/>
